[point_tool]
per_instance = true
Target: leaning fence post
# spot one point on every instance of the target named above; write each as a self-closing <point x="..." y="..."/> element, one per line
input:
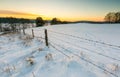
<point x="46" y="37"/>
<point x="32" y="33"/>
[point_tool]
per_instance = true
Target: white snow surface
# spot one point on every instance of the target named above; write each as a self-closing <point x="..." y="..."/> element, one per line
<point x="67" y="55"/>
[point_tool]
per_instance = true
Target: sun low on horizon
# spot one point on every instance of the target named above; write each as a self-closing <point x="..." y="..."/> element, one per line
<point x="67" y="10"/>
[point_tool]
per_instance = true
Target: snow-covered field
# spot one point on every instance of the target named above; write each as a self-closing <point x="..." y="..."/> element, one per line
<point x="75" y="50"/>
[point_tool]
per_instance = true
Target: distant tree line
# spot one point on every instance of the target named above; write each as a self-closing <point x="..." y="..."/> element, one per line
<point x="13" y="24"/>
<point x="14" y="20"/>
<point x="113" y="17"/>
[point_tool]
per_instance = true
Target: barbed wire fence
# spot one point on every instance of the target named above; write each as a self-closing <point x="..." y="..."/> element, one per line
<point x="89" y="50"/>
<point x="50" y="43"/>
<point x="82" y="58"/>
<point x="90" y="40"/>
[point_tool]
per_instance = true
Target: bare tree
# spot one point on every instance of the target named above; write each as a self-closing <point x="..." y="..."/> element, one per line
<point x="117" y="17"/>
<point x="112" y="17"/>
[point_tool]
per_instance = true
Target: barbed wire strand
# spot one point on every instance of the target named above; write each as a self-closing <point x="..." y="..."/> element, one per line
<point x="86" y="39"/>
<point x="88" y="50"/>
<point x="59" y="50"/>
<point x="90" y="62"/>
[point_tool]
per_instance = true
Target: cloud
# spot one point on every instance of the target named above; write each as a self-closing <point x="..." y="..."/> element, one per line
<point x="5" y="13"/>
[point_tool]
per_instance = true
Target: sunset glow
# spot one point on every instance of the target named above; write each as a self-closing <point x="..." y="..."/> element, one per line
<point x="68" y="10"/>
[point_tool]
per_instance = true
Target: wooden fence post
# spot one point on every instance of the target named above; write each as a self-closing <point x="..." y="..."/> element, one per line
<point x="32" y="33"/>
<point x="23" y="31"/>
<point x="46" y="37"/>
<point x="0" y="27"/>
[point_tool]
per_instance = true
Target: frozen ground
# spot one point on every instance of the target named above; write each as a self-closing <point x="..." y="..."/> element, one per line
<point x="94" y="52"/>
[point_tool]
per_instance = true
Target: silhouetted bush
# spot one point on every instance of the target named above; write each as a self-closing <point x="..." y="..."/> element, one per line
<point x="39" y="21"/>
<point x="55" y="21"/>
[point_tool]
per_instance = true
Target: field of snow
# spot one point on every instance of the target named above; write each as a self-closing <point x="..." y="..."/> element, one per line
<point x="75" y="50"/>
